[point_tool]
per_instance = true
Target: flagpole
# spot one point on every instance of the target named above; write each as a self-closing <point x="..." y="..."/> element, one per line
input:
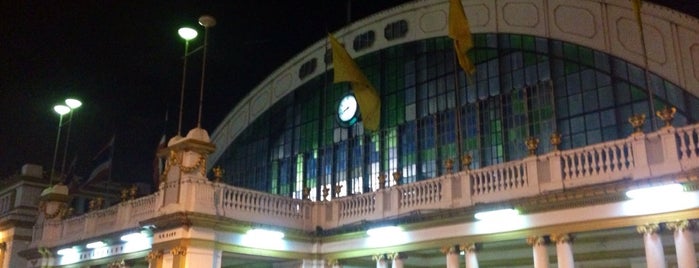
<point x="458" y="111"/>
<point x="639" y="20"/>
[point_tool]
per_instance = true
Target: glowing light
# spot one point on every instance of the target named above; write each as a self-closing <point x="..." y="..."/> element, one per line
<point x="261" y="238"/>
<point x="500" y="214"/>
<point x="386" y="236"/>
<point x="187" y="33"/>
<point x="73" y="103"/>
<point x="133" y="237"/>
<point x="94" y="245"/>
<point x="68" y="256"/>
<point x="61" y="109"/>
<point x="265" y="234"/>
<point x="656" y="193"/>
<point x="67" y="251"/>
<point x="385" y="231"/>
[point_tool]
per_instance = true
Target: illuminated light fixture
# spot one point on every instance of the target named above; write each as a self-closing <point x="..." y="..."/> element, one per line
<point x="657" y="192"/>
<point x="385" y="231"/>
<point x="500" y="214"/>
<point x="94" y="245"/>
<point x="61" y="109"/>
<point x="66" y="251"/>
<point x="133" y="237"/>
<point x="265" y="234"/>
<point x="187" y="33"/>
<point x="73" y="103"/>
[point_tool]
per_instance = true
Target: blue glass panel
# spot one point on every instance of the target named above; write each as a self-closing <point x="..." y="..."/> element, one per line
<point x="576" y="104"/>
<point x="590" y="101"/>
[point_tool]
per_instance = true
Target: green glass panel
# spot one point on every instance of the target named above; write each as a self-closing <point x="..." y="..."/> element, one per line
<point x="637" y="94"/>
<point x="571" y="67"/>
<point x="516" y="41"/>
<point x="528" y="43"/>
<point x="570" y="51"/>
<point x="586" y="56"/>
<point x="530" y="59"/>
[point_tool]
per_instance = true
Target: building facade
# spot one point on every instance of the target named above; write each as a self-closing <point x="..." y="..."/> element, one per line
<point x="558" y="123"/>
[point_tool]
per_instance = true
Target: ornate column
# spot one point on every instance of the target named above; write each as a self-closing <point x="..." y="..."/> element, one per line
<point x="200" y="257"/>
<point x="684" y="243"/>
<point x="470" y="255"/>
<point x="564" y="250"/>
<point x="334" y="263"/>
<point x="452" y="253"/>
<point x="398" y="259"/>
<point x="155" y="259"/>
<point x="381" y="260"/>
<point x="179" y="255"/>
<point x="655" y="257"/>
<point x="3" y="248"/>
<point x="541" y="256"/>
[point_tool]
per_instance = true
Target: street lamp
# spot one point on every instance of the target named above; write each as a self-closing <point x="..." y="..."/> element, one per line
<point x="208" y="22"/>
<point x="61" y="110"/>
<point x="72" y="104"/>
<point x="186" y="34"/>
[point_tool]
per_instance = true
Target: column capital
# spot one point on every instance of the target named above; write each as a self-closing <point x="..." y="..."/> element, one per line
<point x="648" y="229"/>
<point x="449" y="250"/>
<point x="561" y="238"/>
<point x="379" y="257"/>
<point x="679" y="226"/>
<point x="536" y="241"/>
<point x="397" y="256"/>
<point x="178" y="250"/>
<point x="154" y="255"/>
<point x="469" y="247"/>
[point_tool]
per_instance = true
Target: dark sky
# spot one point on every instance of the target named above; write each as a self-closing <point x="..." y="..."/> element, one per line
<point x="123" y="59"/>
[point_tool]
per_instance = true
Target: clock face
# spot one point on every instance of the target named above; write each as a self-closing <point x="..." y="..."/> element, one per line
<point x="347" y="109"/>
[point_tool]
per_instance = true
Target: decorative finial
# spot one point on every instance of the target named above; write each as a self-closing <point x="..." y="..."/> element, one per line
<point x="555" y="140"/>
<point x="532" y="144"/>
<point x="637" y="121"/>
<point x="667" y="114"/>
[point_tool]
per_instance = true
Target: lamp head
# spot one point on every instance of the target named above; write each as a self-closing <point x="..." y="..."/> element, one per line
<point x="207" y="21"/>
<point x="73" y="103"/>
<point x="187" y="33"/>
<point x="61" y="109"/>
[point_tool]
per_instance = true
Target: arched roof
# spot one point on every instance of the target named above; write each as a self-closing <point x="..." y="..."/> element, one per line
<point x="672" y="41"/>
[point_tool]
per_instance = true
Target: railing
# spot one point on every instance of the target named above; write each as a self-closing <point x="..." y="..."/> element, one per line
<point x="640" y="156"/>
<point x="499" y="178"/>
<point x="352" y="207"/>
<point x="688" y="143"/>
<point x="422" y="194"/>
<point x="258" y="206"/>
<point x="597" y="163"/>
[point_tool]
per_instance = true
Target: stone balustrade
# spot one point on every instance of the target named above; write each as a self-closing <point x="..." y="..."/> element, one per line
<point x="641" y="156"/>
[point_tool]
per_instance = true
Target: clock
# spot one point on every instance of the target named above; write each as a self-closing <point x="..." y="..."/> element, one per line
<point x="348" y="110"/>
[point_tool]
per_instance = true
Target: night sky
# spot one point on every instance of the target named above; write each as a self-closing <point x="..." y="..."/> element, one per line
<point x="123" y="59"/>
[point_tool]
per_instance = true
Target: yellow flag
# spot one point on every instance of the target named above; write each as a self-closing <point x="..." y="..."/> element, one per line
<point x="637" y="12"/>
<point x="460" y="32"/>
<point x="346" y="70"/>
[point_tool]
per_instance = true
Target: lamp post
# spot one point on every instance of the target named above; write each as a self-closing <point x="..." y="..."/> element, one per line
<point x="72" y="104"/>
<point x="208" y="22"/>
<point x="186" y="34"/>
<point x="61" y="110"/>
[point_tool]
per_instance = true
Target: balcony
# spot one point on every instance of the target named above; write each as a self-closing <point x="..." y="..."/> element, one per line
<point x="667" y="153"/>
